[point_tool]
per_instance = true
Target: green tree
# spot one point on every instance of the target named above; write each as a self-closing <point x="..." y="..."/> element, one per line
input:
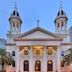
<point x="5" y="58"/>
<point x="68" y="57"/>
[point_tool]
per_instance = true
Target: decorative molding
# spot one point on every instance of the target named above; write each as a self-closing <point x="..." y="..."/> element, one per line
<point x="66" y="43"/>
<point x="20" y="39"/>
<point x="11" y="44"/>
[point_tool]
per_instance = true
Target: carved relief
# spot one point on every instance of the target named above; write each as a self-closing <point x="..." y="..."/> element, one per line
<point x="37" y="50"/>
<point x="51" y="50"/>
<point x="24" y="50"/>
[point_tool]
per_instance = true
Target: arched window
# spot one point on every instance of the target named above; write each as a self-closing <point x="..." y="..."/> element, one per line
<point x="62" y="24"/>
<point x="13" y="25"/>
<point x="13" y="53"/>
<point x="58" y="14"/>
<point x="62" y="53"/>
<point x="62" y="12"/>
<point x="62" y="63"/>
<point x="17" y="14"/>
<point x="37" y="65"/>
<point x="26" y="65"/>
<point x="58" y="25"/>
<point x="14" y="13"/>
<point x="17" y="25"/>
<point x="13" y="64"/>
<point x="50" y="65"/>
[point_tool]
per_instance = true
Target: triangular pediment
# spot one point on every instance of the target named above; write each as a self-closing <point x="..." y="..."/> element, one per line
<point x="38" y="33"/>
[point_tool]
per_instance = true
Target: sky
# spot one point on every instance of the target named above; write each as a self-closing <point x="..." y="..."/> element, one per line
<point x="32" y="10"/>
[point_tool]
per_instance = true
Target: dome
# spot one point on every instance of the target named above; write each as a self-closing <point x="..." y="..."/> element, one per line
<point x="15" y="13"/>
<point x="61" y="12"/>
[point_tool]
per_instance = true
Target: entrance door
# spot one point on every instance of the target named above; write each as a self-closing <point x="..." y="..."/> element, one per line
<point x="37" y="66"/>
<point x="26" y="66"/>
<point x="50" y="66"/>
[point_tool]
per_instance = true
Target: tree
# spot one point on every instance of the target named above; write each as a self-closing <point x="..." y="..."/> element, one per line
<point x="5" y="58"/>
<point x="68" y="57"/>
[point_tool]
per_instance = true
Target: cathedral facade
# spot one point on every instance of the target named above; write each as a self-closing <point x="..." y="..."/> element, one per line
<point x="38" y="50"/>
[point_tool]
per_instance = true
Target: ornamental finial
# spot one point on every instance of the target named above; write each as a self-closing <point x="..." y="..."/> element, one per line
<point x="15" y="4"/>
<point x="61" y="4"/>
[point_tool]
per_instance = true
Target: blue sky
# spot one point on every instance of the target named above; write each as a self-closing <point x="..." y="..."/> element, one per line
<point x="30" y="11"/>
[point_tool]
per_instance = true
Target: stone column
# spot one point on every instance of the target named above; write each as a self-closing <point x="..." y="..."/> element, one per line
<point x="12" y="28"/>
<point x="56" y="27"/>
<point x="45" y="61"/>
<point x="31" y="60"/>
<point x="19" y="28"/>
<point x="65" y="26"/>
<point x="60" y="28"/>
<point x="17" y="60"/>
<point x="58" y="59"/>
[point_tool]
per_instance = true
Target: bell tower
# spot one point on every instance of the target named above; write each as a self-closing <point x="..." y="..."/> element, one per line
<point x="15" y="21"/>
<point x="61" y="21"/>
<point x="15" y="24"/>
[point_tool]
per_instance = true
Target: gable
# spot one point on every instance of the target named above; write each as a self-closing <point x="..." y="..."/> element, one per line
<point x="38" y="33"/>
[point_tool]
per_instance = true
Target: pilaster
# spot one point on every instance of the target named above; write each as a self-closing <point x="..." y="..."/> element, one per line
<point x="17" y="60"/>
<point x="31" y="60"/>
<point x="45" y="61"/>
<point x="58" y="59"/>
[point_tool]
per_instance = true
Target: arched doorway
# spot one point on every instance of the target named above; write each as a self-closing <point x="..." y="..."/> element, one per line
<point x="37" y="66"/>
<point x="26" y="65"/>
<point x="49" y="65"/>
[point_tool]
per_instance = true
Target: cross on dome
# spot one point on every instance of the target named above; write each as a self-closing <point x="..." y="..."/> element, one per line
<point x="38" y="22"/>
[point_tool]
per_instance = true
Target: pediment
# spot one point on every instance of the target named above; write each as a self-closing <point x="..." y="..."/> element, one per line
<point x="38" y="33"/>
